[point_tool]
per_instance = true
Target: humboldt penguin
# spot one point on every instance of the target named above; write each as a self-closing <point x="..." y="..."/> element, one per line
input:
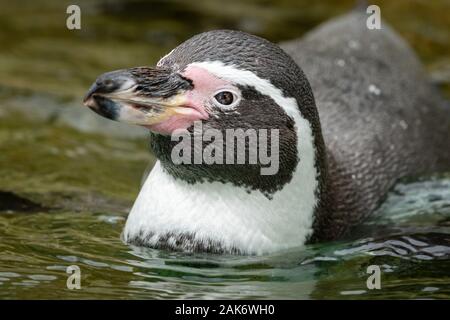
<point x="352" y="108"/>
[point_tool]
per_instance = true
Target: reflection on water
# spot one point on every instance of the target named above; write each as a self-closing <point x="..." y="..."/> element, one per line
<point x="68" y="178"/>
<point x="410" y="243"/>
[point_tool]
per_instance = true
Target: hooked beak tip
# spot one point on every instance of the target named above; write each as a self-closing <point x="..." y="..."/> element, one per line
<point x="89" y="102"/>
<point x="108" y="83"/>
<point x="88" y="96"/>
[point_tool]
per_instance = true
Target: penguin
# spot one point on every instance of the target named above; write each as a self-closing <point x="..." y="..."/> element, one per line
<point x="352" y="108"/>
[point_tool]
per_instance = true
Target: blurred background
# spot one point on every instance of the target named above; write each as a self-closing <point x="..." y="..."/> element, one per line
<point x="57" y="156"/>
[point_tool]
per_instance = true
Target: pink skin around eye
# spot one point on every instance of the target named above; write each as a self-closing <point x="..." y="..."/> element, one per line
<point x="205" y="85"/>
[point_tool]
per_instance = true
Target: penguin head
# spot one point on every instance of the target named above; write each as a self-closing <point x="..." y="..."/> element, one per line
<point x="218" y="82"/>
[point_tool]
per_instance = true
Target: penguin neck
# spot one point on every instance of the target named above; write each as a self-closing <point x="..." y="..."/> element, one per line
<point x="222" y="217"/>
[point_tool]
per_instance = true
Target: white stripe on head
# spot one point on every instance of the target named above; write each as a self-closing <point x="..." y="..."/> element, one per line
<point x="161" y="61"/>
<point x="248" y="78"/>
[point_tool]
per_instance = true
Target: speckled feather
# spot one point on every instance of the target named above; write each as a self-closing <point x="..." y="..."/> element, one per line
<point x="159" y="82"/>
<point x="381" y="119"/>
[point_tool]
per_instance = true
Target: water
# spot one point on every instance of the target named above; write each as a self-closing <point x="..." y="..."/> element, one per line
<point x="409" y="239"/>
<point x="68" y="178"/>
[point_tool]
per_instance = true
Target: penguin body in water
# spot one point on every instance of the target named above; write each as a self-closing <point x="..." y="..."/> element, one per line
<point x="353" y="110"/>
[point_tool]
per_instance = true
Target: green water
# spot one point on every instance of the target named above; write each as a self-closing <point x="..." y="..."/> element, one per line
<point x="410" y="241"/>
<point x="68" y="178"/>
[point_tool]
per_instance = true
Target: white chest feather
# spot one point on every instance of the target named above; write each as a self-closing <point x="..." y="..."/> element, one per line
<point x="227" y="214"/>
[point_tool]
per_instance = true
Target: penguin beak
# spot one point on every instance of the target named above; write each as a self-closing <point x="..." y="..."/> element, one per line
<point x="142" y="96"/>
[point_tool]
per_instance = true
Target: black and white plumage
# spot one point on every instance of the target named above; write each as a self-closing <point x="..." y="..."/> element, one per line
<point x="368" y="119"/>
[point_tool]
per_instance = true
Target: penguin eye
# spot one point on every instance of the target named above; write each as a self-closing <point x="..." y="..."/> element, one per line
<point x="225" y="99"/>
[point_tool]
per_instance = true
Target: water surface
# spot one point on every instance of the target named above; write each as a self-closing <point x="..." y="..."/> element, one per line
<point x="409" y="240"/>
